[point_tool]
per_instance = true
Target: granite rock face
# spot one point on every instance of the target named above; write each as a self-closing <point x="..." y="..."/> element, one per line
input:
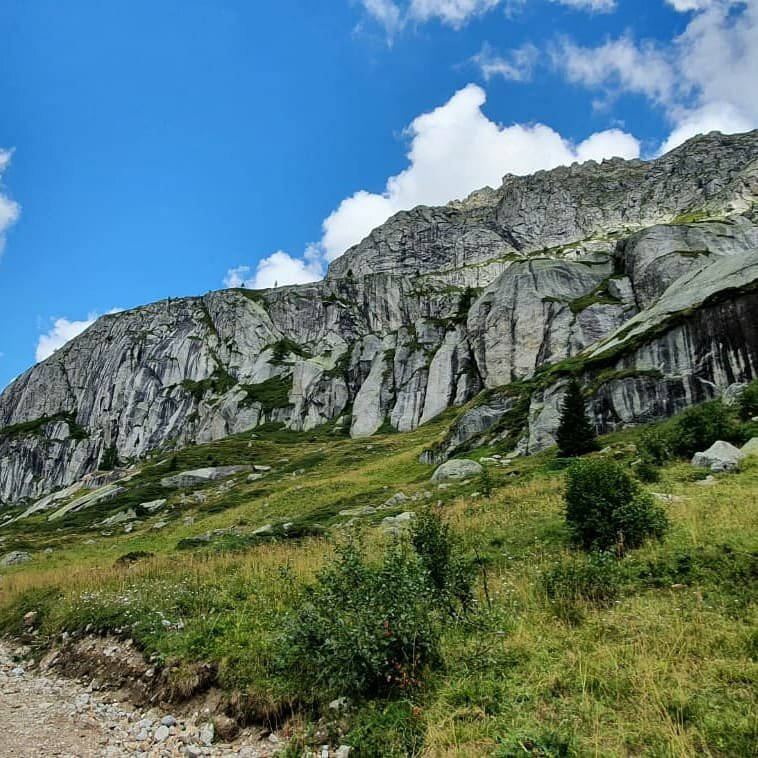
<point x="640" y="275"/>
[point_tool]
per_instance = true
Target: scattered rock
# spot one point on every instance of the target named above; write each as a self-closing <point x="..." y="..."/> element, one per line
<point x="15" y="557"/>
<point x="119" y="518"/>
<point x="750" y="447"/>
<point x="457" y="468"/>
<point x="733" y="393"/>
<point x="267" y="530"/>
<point x="207" y="733"/>
<point x="393" y="524"/>
<point x="396" y="499"/>
<point x="720" y="456"/>
<point x="343" y="751"/>
<point x="709" y="480"/>
<point x="160" y="734"/>
<point x="154" y="505"/>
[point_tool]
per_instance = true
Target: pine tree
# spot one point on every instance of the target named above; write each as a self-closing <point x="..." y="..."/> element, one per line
<point x="576" y="434"/>
<point x="110" y="458"/>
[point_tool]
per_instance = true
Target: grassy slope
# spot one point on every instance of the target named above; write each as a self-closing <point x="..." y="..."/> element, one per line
<point x="669" y="669"/>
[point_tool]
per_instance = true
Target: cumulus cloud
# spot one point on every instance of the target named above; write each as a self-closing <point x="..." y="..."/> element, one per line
<point x="9" y="209"/>
<point x="702" y="80"/>
<point x="452" y="150"/>
<point x="61" y="332"/>
<point x="278" y="269"/>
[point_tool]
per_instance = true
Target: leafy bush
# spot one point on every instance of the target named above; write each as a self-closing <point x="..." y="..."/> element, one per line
<point x="655" y="446"/>
<point x="593" y="579"/>
<point x="576" y="434"/>
<point x="450" y="577"/>
<point x="647" y="471"/>
<point x="748" y="404"/>
<point x="606" y="509"/>
<point x="699" y="427"/>
<point x="363" y="629"/>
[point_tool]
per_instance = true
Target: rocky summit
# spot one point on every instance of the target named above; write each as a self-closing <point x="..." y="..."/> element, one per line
<point x="639" y="278"/>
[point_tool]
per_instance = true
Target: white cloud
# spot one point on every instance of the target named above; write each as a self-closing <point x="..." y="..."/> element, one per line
<point x="684" y="6"/>
<point x="516" y="65"/>
<point x="61" y="332"/>
<point x="452" y="151"/>
<point x="454" y="13"/>
<point x="393" y="15"/>
<point x="9" y="209"/>
<point x="722" y="117"/>
<point x="278" y="269"/>
<point x="620" y="64"/>
<point x="703" y="80"/>
<point x="384" y="12"/>
<point x="595" y="6"/>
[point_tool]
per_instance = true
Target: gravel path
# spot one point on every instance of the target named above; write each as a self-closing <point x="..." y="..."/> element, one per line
<point x="41" y="714"/>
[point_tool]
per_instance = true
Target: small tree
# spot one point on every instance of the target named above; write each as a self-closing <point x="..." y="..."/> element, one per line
<point x="576" y="434"/>
<point x="607" y="510"/>
<point x="110" y="458"/>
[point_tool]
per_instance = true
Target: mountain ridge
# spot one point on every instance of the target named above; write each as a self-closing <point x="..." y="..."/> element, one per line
<point x="433" y="307"/>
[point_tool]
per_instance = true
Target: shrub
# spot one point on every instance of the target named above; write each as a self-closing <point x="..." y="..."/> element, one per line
<point x="363" y="629"/>
<point x="699" y="427"/>
<point x="606" y="509"/>
<point x="748" y="403"/>
<point x="647" y="471"/>
<point x="594" y="579"/>
<point x="655" y="447"/>
<point x="451" y="579"/>
<point x="576" y="434"/>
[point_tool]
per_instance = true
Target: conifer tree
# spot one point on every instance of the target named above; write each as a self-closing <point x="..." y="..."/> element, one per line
<point x="576" y="434"/>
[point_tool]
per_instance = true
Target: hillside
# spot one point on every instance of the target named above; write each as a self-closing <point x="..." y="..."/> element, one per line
<point x="331" y="520"/>
<point x="202" y="576"/>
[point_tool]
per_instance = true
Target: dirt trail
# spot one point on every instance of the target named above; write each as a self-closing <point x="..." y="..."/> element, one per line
<point x="41" y="714"/>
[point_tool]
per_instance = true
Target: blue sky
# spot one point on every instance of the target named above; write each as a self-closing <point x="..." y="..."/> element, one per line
<point x="154" y="148"/>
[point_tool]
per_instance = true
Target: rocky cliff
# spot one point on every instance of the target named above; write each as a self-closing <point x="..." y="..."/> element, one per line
<point x="639" y="277"/>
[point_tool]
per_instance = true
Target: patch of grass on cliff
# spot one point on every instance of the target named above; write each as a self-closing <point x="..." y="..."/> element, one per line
<point x="37" y="426"/>
<point x="598" y="296"/>
<point x="271" y="394"/>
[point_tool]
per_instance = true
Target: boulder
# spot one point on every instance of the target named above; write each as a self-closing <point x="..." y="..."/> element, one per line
<point x="750" y="447"/>
<point x="201" y="476"/>
<point x="401" y="520"/>
<point x="15" y="557"/>
<point x="720" y="456"/>
<point x="153" y="505"/>
<point x="457" y="468"/>
<point x="119" y="518"/>
<point x="732" y="394"/>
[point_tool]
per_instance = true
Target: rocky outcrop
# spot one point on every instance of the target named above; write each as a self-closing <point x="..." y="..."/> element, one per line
<point x="636" y="275"/>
